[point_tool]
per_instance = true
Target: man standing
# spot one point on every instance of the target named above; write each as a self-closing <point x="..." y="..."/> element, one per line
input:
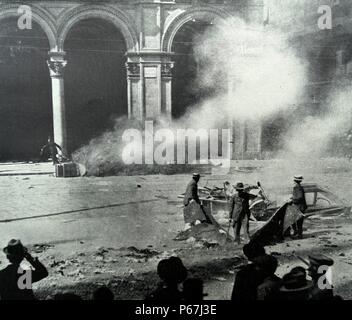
<point x="13" y="279"/>
<point x="50" y="148"/>
<point x="299" y="200"/>
<point x="239" y="210"/>
<point x="192" y="211"/>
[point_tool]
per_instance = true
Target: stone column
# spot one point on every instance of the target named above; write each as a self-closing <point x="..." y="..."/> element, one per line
<point x="57" y="64"/>
<point x="166" y="88"/>
<point x="149" y="76"/>
<point x="134" y="94"/>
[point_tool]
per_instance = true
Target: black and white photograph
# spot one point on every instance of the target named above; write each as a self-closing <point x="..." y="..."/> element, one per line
<point x="174" y="152"/>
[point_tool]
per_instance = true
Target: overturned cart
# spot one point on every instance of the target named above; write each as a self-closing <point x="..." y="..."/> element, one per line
<point x="269" y="221"/>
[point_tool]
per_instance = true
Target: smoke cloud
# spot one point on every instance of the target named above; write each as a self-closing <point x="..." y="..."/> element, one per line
<point x="314" y="136"/>
<point x="252" y="71"/>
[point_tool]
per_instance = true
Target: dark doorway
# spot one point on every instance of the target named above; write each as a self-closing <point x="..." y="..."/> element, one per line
<point x="25" y="91"/>
<point x="185" y="89"/>
<point x="95" y="80"/>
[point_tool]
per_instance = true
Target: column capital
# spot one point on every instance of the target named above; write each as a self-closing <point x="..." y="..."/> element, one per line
<point x="133" y="70"/>
<point x="56" y="64"/>
<point x="166" y="69"/>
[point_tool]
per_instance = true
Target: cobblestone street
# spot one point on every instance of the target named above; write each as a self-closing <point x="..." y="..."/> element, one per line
<point x="80" y="227"/>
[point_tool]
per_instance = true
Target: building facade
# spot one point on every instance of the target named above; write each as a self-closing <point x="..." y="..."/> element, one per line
<point x="139" y="59"/>
<point x="148" y="29"/>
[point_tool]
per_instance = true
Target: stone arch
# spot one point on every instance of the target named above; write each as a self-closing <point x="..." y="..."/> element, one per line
<point x="39" y="16"/>
<point x="179" y="19"/>
<point x="107" y="13"/>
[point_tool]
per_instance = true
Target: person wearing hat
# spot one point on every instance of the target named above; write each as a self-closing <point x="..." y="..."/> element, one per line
<point x="318" y="265"/>
<point x="299" y="200"/>
<point x="192" y="211"/>
<point x="295" y="285"/>
<point x="268" y="290"/>
<point x="10" y="288"/>
<point x="50" y="148"/>
<point x="251" y="275"/>
<point x="172" y="272"/>
<point x="239" y="210"/>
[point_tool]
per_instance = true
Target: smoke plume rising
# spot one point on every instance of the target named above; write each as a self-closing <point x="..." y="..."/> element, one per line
<point x="250" y="73"/>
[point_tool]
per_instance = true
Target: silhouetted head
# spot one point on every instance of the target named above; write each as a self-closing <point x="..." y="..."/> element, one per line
<point x="103" y="293"/>
<point x="298" y="178"/>
<point x="239" y="187"/>
<point x="172" y="270"/>
<point x="196" y="176"/>
<point x="193" y="290"/>
<point x="268" y="264"/>
<point x="253" y="250"/>
<point x="15" y="251"/>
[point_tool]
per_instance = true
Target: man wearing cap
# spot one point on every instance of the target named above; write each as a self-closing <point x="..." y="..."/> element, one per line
<point x="299" y="200"/>
<point x="239" y="210"/>
<point x="319" y="265"/>
<point x="192" y="206"/>
<point x="13" y="279"/>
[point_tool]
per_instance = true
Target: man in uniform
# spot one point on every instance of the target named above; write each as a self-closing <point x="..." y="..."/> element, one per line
<point x="318" y="268"/>
<point x="239" y="210"/>
<point x="192" y="211"/>
<point x="299" y="200"/>
<point x="50" y="148"/>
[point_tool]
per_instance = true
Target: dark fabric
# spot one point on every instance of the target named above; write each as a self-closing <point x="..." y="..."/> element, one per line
<point x="193" y="212"/>
<point x="272" y="230"/>
<point x="246" y="283"/>
<point x="299" y="198"/>
<point x="165" y="293"/>
<point x="9" y="289"/>
<point x="318" y="294"/>
<point x="191" y="193"/>
<point x="269" y="289"/>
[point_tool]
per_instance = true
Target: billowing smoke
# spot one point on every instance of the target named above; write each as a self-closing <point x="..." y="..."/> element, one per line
<point x="319" y="135"/>
<point x="252" y="71"/>
<point x="249" y="73"/>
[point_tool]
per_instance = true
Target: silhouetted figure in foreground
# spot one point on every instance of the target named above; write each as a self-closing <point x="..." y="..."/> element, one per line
<point x="319" y="271"/>
<point x="295" y="286"/>
<point x="16" y="283"/>
<point x="50" y="149"/>
<point x="193" y="290"/>
<point x="103" y="293"/>
<point x="250" y="276"/>
<point x="270" y="287"/>
<point x="67" y="296"/>
<point x="172" y="272"/>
